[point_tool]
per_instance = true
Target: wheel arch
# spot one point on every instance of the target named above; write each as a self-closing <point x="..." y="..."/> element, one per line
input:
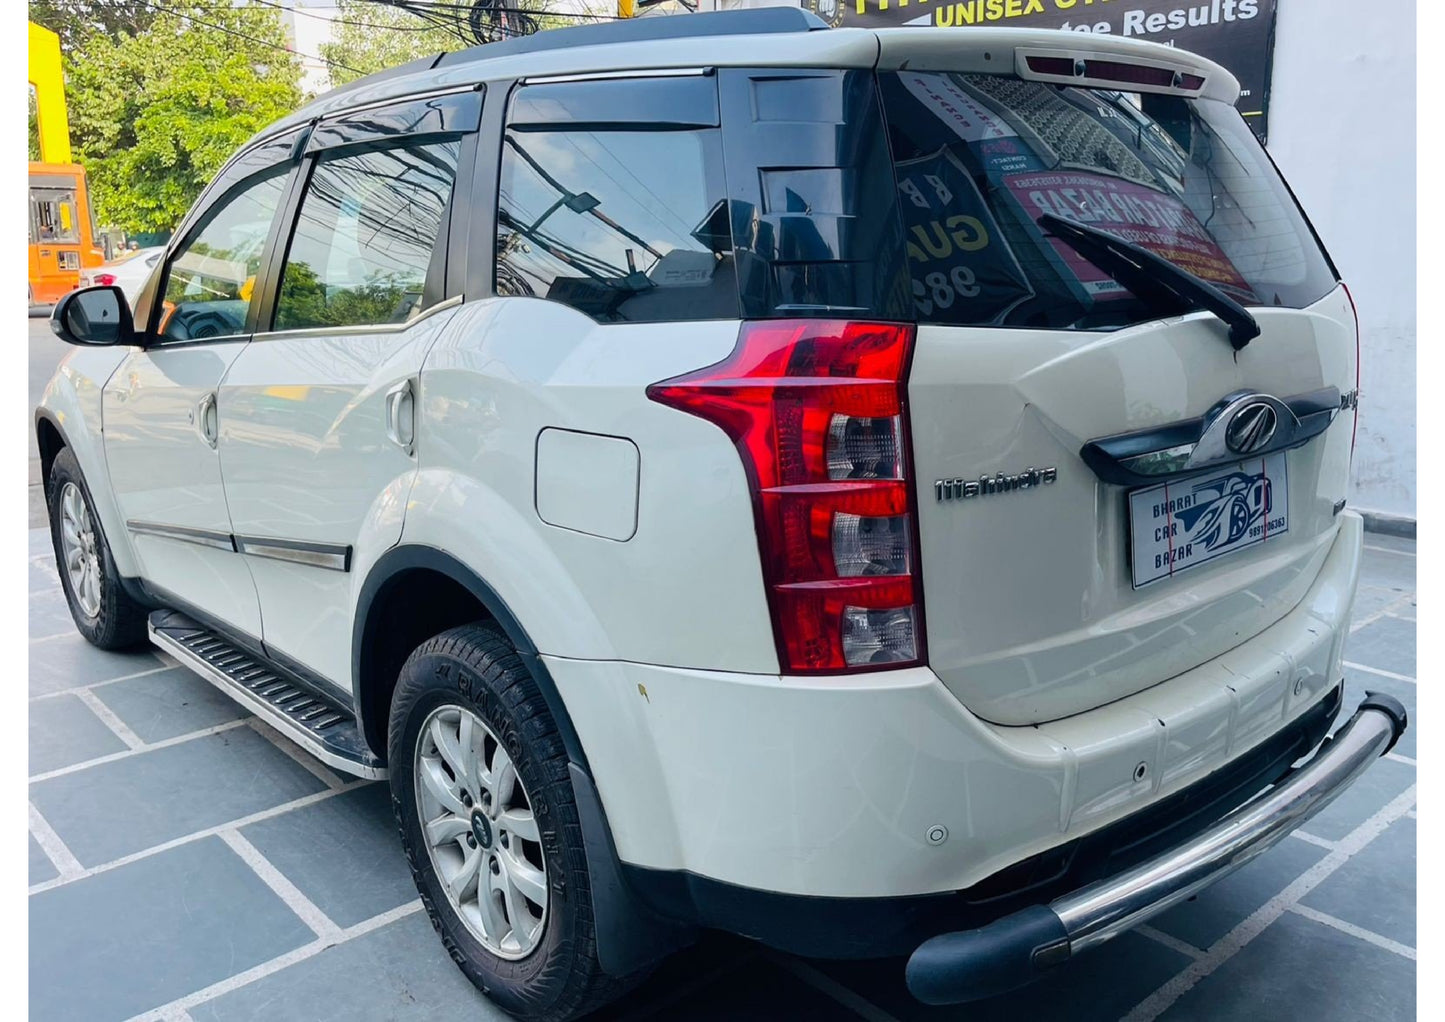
<point x="630" y="933"/>
<point x="407" y="571"/>
<point x="51" y="441"/>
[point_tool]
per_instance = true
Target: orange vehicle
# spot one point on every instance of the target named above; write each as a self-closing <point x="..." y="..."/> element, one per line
<point x="62" y="230"/>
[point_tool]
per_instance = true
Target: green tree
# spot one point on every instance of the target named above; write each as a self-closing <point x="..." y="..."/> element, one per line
<point x="34" y="127"/>
<point x="75" y="20"/>
<point x="372" y="36"/>
<point x="154" y="115"/>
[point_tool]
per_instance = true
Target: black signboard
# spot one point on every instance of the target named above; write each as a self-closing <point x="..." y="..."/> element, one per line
<point x="1238" y="34"/>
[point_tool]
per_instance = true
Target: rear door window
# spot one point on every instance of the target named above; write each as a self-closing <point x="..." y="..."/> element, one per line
<point x="366" y="236"/>
<point x="979" y="158"/>
<point x="611" y="200"/>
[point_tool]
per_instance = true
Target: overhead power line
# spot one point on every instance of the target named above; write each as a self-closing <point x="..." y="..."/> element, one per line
<point x="189" y="16"/>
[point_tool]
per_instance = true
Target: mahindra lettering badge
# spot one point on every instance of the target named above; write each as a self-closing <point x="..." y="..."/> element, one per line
<point x="1252" y="428"/>
<point x="987" y="486"/>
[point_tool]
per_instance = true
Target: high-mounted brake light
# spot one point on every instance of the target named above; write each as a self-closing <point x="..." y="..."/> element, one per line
<point x="1097" y="70"/>
<point x="817" y="411"/>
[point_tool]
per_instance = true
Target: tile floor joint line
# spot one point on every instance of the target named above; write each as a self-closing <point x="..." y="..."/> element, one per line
<point x="274" y="965"/>
<point x="300" y="756"/>
<point x="1310" y="839"/>
<point x="1380" y="671"/>
<point x="1386" y="611"/>
<point x="185" y="839"/>
<point x="112" y="757"/>
<point x="1170" y="941"/>
<point x="695" y="982"/>
<point x="305" y="909"/>
<point x="1389" y="550"/>
<point x="75" y="689"/>
<point x="1359" y="932"/>
<point x="108" y="717"/>
<point x="1162" y="999"/>
<point x="1398" y="758"/>
<point x="51" y="638"/>
<point x="830" y="987"/>
<point x="55" y="849"/>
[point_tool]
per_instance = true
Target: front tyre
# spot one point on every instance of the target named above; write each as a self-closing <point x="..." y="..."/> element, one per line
<point x="480" y="786"/>
<point x="102" y="610"/>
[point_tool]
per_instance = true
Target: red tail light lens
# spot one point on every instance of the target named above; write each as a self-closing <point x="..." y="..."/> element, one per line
<point x="105" y="279"/>
<point x="817" y="411"/>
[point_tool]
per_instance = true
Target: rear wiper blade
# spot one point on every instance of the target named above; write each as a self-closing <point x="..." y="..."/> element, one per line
<point x="1142" y="271"/>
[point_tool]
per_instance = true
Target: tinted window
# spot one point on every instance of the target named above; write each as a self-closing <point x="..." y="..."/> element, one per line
<point x="52" y="215"/>
<point x="211" y="280"/>
<point x="623" y="225"/>
<point x="978" y="158"/>
<point x="365" y="237"/>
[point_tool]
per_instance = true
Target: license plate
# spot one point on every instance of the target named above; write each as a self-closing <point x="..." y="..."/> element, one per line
<point x="1179" y="525"/>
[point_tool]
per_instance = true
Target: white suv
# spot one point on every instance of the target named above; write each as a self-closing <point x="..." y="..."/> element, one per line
<point x="877" y="492"/>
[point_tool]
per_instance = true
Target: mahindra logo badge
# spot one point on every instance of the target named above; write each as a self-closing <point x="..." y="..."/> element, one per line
<point x="1252" y="428"/>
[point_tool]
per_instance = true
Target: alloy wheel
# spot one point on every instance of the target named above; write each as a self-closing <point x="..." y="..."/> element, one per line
<point x="80" y="549"/>
<point x="483" y="840"/>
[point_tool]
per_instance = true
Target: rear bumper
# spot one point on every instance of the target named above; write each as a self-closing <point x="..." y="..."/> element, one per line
<point x="835" y="790"/>
<point x="973" y="964"/>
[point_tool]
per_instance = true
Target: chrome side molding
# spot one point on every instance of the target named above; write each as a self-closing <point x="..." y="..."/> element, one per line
<point x="318" y="555"/>
<point x="201" y="537"/>
<point x="333" y="556"/>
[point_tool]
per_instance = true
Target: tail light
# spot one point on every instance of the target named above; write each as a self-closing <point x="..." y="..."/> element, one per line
<point x="816" y="409"/>
<point x="1355" y="425"/>
<point x="105" y="279"/>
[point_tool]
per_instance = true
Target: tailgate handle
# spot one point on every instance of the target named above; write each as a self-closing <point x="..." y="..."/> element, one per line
<point x="1244" y="424"/>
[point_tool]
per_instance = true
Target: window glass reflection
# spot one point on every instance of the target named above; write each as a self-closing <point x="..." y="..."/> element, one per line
<point x="620" y="225"/>
<point x="364" y="237"/>
<point x="980" y="157"/>
<point x="211" y="280"/>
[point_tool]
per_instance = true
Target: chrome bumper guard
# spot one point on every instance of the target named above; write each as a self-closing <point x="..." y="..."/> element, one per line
<point x="1010" y="952"/>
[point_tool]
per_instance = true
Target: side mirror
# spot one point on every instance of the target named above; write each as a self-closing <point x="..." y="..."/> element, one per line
<point x="93" y="316"/>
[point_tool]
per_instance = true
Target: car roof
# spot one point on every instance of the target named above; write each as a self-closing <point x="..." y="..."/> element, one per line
<point x="762" y="37"/>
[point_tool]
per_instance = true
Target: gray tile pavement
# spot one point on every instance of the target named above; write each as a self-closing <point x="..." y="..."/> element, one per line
<point x="1301" y="969"/>
<point x="184" y="866"/>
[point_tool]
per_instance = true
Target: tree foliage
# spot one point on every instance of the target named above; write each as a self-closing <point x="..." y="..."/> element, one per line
<point x="368" y="36"/>
<point x="75" y="20"/>
<point x="154" y="115"/>
<point x="373" y="35"/>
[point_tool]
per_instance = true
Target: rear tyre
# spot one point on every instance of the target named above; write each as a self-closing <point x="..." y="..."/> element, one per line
<point x="482" y="795"/>
<point x="102" y="610"/>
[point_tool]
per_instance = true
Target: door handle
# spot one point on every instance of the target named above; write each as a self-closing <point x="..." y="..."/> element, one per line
<point x="401" y="415"/>
<point x="204" y="419"/>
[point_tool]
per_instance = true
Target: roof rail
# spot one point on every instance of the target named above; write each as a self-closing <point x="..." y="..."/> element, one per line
<point x="758" y="21"/>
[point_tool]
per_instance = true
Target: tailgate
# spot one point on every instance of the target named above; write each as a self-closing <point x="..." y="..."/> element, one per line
<point x="1030" y="591"/>
<point x="1052" y="389"/>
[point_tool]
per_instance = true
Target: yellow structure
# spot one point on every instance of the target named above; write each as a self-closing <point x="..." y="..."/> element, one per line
<point x="62" y="223"/>
<point x="49" y="83"/>
<point x="626" y="8"/>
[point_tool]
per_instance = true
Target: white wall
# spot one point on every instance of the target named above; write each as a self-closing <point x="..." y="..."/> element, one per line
<point x="1342" y="128"/>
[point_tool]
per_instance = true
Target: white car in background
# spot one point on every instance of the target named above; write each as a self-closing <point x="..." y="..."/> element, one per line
<point x="128" y="272"/>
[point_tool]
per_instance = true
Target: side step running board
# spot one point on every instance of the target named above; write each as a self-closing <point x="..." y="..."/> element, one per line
<point x="318" y="723"/>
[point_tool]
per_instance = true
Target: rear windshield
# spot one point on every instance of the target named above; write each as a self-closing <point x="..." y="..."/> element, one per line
<point x="979" y="158"/>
